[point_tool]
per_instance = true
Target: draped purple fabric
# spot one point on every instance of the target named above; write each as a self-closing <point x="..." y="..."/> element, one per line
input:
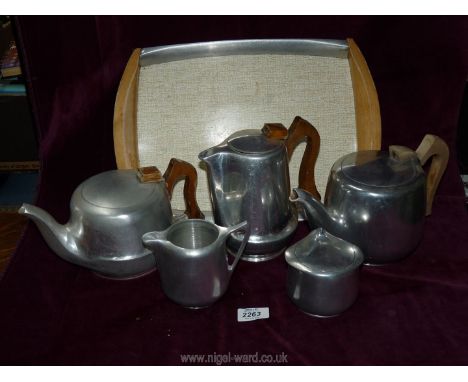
<point x="414" y="312"/>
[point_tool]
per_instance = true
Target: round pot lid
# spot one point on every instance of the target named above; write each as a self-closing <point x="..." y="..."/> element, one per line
<point x="327" y="260"/>
<point x="322" y="254"/>
<point x="116" y="189"/>
<point x="379" y="169"/>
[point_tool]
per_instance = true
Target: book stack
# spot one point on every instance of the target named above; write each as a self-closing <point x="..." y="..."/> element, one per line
<point x="9" y="63"/>
<point x="11" y="83"/>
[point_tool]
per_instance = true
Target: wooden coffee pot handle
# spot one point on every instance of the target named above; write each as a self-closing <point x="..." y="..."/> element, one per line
<point x="299" y="131"/>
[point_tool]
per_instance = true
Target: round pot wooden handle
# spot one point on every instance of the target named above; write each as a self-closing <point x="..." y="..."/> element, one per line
<point x="435" y="147"/>
<point x="299" y="131"/>
<point x="177" y="170"/>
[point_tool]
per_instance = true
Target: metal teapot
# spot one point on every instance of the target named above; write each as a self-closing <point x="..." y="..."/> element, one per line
<point x="248" y="179"/>
<point x="109" y="214"/>
<point x="377" y="200"/>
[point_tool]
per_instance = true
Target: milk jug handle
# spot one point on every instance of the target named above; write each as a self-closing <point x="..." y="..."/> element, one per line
<point x="435" y="147"/>
<point x="246" y="228"/>
<point x="177" y="170"/>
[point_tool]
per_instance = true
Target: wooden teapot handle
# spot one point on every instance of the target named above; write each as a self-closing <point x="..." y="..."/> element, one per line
<point x="435" y="147"/>
<point x="177" y="170"/>
<point x="299" y="131"/>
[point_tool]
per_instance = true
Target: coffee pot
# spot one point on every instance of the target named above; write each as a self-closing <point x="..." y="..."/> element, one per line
<point x="248" y="179"/>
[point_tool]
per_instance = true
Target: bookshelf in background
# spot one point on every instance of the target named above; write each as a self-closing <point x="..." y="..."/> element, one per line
<point x="18" y="144"/>
<point x="9" y="59"/>
<point x="19" y="165"/>
<point x="11" y="80"/>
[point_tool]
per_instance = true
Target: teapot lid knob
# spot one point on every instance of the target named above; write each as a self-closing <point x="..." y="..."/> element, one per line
<point x="149" y="174"/>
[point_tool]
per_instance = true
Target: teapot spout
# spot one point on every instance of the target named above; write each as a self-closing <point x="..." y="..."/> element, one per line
<point x="316" y="212"/>
<point x="57" y="236"/>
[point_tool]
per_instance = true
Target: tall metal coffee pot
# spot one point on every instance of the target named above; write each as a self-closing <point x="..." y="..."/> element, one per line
<point x="248" y="179"/>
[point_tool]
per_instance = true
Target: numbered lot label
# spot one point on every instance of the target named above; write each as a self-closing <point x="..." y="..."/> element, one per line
<point x="250" y="314"/>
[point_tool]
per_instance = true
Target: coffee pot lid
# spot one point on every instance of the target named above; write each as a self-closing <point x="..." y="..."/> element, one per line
<point x="116" y="189"/>
<point x="253" y="142"/>
<point x="379" y="168"/>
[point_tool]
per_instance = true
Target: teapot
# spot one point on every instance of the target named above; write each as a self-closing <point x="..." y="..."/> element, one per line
<point x="377" y="200"/>
<point x="248" y="179"/>
<point x="109" y="214"/>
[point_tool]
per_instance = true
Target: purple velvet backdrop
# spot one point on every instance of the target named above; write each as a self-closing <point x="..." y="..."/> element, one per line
<point x="413" y="312"/>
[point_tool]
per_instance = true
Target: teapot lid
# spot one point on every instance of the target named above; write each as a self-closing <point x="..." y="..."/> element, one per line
<point x="116" y="189"/>
<point x="379" y="168"/>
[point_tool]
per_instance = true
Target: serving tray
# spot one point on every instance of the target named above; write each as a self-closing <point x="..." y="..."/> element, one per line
<point x="175" y="101"/>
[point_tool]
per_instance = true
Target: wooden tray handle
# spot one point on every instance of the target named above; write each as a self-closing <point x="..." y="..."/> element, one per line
<point x="299" y="131"/>
<point x="435" y="147"/>
<point x="177" y="170"/>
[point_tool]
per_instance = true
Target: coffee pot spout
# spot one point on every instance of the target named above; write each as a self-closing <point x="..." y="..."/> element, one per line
<point x="211" y="155"/>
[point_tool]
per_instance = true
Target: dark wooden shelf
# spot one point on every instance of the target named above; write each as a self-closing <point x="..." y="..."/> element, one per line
<point x="11" y="228"/>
